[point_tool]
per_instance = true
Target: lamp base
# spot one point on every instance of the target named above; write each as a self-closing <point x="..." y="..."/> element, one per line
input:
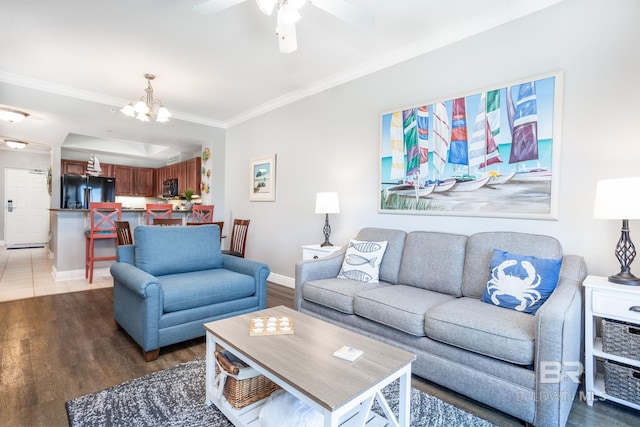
<point x="625" y="278"/>
<point x="326" y="243"/>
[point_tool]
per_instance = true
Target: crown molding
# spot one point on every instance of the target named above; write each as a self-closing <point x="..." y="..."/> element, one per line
<point x="85" y="95"/>
<point x="478" y="24"/>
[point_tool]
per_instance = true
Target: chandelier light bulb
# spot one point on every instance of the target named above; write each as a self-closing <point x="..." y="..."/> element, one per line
<point x="128" y="110"/>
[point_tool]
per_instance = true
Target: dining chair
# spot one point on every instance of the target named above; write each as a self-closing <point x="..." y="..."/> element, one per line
<point x="238" y="238"/>
<point x="158" y="210"/>
<point x="167" y="221"/>
<point x="220" y="224"/>
<point x="124" y="233"/>
<point x="202" y="213"/>
<point x="103" y="217"/>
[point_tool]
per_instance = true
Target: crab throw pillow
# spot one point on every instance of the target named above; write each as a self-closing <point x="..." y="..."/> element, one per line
<point x="362" y="261"/>
<point x="521" y="283"/>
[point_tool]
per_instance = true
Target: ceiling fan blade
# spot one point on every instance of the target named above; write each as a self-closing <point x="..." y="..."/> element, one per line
<point x="348" y="12"/>
<point x="214" y="6"/>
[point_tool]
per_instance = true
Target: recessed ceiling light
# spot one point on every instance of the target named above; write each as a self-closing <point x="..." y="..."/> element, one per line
<point x="18" y="145"/>
<point x="10" y="115"/>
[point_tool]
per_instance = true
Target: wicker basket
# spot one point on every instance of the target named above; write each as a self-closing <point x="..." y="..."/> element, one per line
<point x="247" y="386"/>
<point x="621" y="338"/>
<point x="622" y="381"/>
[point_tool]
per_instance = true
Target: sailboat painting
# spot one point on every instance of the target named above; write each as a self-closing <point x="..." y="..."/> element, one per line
<point x="492" y="153"/>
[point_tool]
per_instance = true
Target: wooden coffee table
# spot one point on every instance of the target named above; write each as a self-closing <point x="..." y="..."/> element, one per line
<point x="303" y="364"/>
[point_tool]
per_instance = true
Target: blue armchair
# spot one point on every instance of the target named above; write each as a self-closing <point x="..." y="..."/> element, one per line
<point x="175" y="279"/>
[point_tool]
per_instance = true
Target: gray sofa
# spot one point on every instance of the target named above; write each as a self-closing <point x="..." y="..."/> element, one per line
<point x="428" y="301"/>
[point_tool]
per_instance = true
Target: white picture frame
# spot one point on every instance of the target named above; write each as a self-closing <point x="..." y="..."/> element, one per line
<point x="262" y="179"/>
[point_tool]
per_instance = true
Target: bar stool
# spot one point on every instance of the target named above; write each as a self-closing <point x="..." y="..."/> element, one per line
<point x="158" y="210"/>
<point x="103" y="216"/>
<point x="202" y="213"/>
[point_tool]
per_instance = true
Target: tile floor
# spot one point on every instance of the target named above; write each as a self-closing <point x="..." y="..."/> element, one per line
<point x="27" y="273"/>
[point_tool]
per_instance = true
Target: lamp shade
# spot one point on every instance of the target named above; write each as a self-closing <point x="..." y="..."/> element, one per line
<point x="617" y="199"/>
<point x="327" y="203"/>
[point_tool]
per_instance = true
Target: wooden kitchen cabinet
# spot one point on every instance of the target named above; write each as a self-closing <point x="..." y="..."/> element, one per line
<point x="124" y="180"/>
<point x="73" y="167"/>
<point x="142" y="182"/>
<point x="193" y="174"/>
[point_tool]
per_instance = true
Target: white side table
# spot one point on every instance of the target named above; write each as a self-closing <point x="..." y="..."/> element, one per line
<point x="317" y="251"/>
<point x="604" y="299"/>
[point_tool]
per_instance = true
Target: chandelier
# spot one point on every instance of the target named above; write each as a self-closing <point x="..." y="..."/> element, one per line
<point x="145" y="107"/>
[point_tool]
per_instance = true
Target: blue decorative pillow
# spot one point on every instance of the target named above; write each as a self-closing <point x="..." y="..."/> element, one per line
<point x="362" y="261"/>
<point x="521" y="283"/>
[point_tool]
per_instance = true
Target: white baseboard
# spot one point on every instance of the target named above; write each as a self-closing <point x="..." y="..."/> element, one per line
<point x="279" y="279"/>
<point x="60" y="276"/>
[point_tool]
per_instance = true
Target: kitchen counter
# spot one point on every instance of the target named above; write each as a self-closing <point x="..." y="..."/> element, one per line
<point x="68" y="241"/>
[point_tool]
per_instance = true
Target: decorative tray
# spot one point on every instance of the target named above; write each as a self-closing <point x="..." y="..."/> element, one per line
<point x="275" y="325"/>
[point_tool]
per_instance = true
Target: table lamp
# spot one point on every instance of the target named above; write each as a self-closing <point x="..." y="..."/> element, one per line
<point x="619" y="199"/>
<point x="327" y="203"/>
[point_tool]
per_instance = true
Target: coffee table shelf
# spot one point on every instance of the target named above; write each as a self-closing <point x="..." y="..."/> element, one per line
<point x="343" y="392"/>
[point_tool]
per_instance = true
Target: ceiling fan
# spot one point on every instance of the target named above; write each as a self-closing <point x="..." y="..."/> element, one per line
<point x="287" y="13"/>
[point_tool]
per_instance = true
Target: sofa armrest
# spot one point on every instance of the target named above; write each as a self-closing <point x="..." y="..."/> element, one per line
<point x="316" y="269"/>
<point x="258" y="270"/>
<point x="559" y="354"/>
<point x="132" y="278"/>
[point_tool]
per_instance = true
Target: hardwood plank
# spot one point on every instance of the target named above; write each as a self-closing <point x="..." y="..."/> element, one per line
<point x="58" y="347"/>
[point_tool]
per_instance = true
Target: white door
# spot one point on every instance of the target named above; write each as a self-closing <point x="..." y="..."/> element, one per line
<point x="26" y="204"/>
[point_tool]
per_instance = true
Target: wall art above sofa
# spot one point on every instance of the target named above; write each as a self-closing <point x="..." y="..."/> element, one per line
<point x="493" y="153"/>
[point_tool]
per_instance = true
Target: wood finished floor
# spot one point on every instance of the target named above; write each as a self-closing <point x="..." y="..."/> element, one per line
<point x="57" y="347"/>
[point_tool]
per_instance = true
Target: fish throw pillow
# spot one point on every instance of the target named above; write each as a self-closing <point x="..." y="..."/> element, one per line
<point x="362" y="261"/>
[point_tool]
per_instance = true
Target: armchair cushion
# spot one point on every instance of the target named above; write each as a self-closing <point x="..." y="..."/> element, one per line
<point x="171" y="250"/>
<point x="184" y="291"/>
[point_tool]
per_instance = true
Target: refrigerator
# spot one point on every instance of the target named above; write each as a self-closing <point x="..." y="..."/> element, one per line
<point x="79" y="190"/>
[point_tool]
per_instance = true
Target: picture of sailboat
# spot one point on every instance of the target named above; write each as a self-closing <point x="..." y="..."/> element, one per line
<point x="463" y="153"/>
<point x="523" y="119"/>
<point x="435" y="160"/>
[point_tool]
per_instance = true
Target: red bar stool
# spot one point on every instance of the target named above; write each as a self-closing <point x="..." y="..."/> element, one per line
<point x="158" y="210"/>
<point x="202" y="213"/>
<point x="103" y="226"/>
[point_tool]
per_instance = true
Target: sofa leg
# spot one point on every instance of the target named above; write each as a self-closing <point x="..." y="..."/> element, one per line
<point x="151" y="355"/>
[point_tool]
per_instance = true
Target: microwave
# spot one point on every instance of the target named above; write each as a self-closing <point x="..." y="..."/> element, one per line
<point x="170" y="188"/>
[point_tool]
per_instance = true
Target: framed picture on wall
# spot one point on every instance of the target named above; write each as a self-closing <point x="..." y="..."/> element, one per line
<point x="493" y="152"/>
<point x="262" y="179"/>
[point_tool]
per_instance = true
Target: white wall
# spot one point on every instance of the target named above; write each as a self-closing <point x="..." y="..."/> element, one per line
<point x="329" y="142"/>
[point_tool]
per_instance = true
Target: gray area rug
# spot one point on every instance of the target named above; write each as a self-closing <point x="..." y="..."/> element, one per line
<point x="176" y="396"/>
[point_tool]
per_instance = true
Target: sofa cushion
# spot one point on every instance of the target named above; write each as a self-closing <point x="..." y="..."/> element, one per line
<point x="521" y="283"/>
<point x="185" y="291"/>
<point x="336" y="293"/>
<point x="362" y="261"/>
<point x="400" y="307"/>
<point x="433" y="261"/>
<point x="480" y="248"/>
<point x="392" y="255"/>
<point x="169" y="250"/>
<point x="473" y="325"/>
